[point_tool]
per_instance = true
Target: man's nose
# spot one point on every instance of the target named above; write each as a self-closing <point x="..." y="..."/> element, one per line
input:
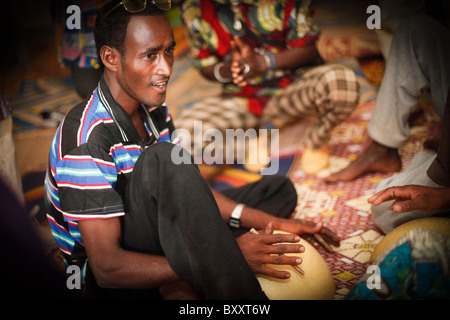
<point x="165" y="66"/>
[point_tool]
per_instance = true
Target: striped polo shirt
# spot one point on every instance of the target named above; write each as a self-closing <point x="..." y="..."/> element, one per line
<point x="92" y="155"/>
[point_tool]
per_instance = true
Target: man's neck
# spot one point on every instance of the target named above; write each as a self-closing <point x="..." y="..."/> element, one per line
<point x="130" y="105"/>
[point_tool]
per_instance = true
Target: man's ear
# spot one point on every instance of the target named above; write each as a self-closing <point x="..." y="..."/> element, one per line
<point x="110" y="57"/>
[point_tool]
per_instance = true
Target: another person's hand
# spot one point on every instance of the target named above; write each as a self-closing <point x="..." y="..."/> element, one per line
<point x="246" y="63"/>
<point x="266" y="247"/>
<point x="413" y="197"/>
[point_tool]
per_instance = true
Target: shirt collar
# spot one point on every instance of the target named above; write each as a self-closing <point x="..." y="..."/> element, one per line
<point x="121" y="117"/>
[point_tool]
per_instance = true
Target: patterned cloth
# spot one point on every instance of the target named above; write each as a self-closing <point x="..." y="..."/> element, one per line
<point x="76" y="47"/>
<point x="328" y="92"/>
<point x="278" y="26"/>
<point x="415" y="267"/>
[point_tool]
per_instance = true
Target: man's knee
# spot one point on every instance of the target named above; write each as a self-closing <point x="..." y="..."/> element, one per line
<point x="286" y="188"/>
<point x="165" y="162"/>
<point x="166" y="153"/>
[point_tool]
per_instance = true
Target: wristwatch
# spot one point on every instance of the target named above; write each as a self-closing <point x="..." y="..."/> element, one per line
<point x="235" y="221"/>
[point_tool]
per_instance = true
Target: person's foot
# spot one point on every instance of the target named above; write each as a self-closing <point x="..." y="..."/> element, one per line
<point x="314" y="160"/>
<point x="260" y="158"/>
<point x="376" y="158"/>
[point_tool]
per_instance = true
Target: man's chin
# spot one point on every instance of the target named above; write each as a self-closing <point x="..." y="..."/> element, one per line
<point x="156" y="101"/>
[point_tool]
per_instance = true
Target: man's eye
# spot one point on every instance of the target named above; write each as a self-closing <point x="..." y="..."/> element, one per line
<point x="170" y="50"/>
<point x="151" y="56"/>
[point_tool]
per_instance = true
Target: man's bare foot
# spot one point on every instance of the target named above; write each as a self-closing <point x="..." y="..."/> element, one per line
<point x="376" y="158"/>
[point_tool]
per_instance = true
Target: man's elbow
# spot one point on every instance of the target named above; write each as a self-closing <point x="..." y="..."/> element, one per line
<point x="105" y="273"/>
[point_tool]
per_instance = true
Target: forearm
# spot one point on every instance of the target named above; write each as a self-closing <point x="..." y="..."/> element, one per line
<point x="288" y="59"/>
<point x="250" y="218"/>
<point x="224" y="71"/>
<point x="133" y="270"/>
<point x="114" y="267"/>
<point x="296" y="57"/>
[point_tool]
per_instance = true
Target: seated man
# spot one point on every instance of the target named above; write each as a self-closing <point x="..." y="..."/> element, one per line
<point x="422" y="190"/>
<point x="418" y="59"/>
<point x="125" y="213"/>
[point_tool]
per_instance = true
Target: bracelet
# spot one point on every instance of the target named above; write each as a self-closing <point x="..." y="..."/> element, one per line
<point x="271" y="56"/>
<point x="217" y="73"/>
<point x="246" y="67"/>
<point x="235" y="221"/>
<point x="268" y="61"/>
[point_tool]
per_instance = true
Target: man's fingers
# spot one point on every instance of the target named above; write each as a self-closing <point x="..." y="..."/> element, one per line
<point x="283" y="260"/>
<point x="274" y="273"/>
<point x="400" y="206"/>
<point x="280" y="237"/>
<point x="312" y="228"/>
<point x="330" y="237"/>
<point x="408" y="205"/>
<point x="391" y="193"/>
<point x="382" y="196"/>
<point x="268" y="229"/>
<point x="286" y="248"/>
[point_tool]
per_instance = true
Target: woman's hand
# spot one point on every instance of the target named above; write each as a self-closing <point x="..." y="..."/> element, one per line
<point x="245" y="63"/>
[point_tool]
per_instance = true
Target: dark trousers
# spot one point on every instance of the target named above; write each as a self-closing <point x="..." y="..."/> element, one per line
<point x="171" y="211"/>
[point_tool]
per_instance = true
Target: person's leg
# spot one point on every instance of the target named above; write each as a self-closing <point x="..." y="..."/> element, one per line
<point x="330" y="93"/>
<point x="211" y="116"/>
<point x="393" y="12"/>
<point x="272" y="194"/>
<point x="418" y="59"/>
<point x="171" y="211"/>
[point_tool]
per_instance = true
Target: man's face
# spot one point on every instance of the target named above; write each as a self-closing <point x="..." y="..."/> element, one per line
<point x="148" y="59"/>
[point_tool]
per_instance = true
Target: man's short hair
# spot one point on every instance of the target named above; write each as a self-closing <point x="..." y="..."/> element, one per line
<point x="112" y="29"/>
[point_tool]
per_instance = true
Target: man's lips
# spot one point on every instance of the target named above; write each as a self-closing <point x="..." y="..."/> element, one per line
<point x="161" y="85"/>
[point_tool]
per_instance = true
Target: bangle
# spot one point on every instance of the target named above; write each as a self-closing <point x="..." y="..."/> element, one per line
<point x="217" y="73"/>
<point x="268" y="61"/>
<point x="246" y="67"/>
<point x="235" y="221"/>
<point x="271" y="57"/>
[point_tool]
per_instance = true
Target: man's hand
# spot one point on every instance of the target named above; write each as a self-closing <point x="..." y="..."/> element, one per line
<point x="266" y="247"/>
<point x="299" y="226"/>
<point x="413" y="197"/>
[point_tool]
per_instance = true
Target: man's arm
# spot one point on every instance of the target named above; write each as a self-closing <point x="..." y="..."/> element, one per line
<point x="413" y="197"/>
<point x="253" y="218"/>
<point x="114" y="267"/>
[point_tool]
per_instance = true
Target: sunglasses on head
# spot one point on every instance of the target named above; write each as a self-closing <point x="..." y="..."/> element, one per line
<point x="134" y="6"/>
